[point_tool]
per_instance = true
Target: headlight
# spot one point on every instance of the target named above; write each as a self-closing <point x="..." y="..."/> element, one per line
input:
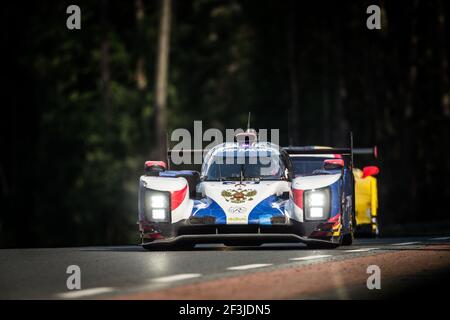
<point x="317" y="204"/>
<point x="158" y="201"/>
<point x="159" y="214"/>
<point x="316" y="212"/>
<point x="157" y="206"/>
<point x="317" y="199"/>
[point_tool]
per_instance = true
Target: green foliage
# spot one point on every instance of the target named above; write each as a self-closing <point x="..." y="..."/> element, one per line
<point x="78" y="144"/>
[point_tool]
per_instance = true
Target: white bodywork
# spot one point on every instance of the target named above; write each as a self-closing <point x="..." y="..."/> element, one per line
<point x="309" y="183"/>
<point x="171" y="184"/>
<point x="315" y="182"/>
<point x="237" y="213"/>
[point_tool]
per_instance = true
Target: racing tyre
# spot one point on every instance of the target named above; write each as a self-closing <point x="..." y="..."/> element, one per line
<point x="375" y="230"/>
<point x="347" y="239"/>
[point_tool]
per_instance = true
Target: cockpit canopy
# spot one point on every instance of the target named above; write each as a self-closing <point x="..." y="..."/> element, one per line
<point x="232" y="162"/>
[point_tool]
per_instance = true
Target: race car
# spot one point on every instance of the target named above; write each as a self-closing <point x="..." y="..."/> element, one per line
<point x="248" y="193"/>
<point x="366" y="199"/>
<point x="366" y="194"/>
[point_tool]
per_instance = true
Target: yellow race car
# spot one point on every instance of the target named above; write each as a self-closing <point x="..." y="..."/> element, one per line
<point x="366" y="200"/>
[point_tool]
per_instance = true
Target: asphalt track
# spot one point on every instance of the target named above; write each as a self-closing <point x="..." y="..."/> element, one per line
<point x="218" y="272"/>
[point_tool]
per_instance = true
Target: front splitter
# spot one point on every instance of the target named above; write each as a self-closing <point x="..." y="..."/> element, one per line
<point x="240" y="239"/>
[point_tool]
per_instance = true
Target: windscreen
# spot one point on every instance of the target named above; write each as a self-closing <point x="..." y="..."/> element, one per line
<point x="305" y="166"/>
<point x="246" y="167"/>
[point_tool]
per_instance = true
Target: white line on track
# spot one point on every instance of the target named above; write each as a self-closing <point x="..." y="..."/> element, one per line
<point x="441" y="238"/>
<point x="361" y="250"/>
<point x="250" y="266"/>
<point x="84" y="293"/>
<point x="404" y="243"/>
<point x="177" y="277"/>
<point x="319" y="256"/>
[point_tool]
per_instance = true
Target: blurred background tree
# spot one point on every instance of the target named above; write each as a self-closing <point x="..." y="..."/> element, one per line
<point x="79" y="112"/>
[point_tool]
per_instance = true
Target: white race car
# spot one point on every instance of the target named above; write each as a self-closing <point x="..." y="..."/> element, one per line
<point x="248" y="194"/>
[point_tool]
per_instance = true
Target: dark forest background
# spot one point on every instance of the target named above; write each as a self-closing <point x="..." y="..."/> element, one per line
<point x="78" y="106"/>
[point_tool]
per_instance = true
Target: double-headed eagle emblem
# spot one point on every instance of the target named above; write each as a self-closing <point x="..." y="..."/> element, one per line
<point x="238" y="195"/>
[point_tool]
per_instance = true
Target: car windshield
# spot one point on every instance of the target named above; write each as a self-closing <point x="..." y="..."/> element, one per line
<point x="306" y="166"/>
<point x="244" y="168"/>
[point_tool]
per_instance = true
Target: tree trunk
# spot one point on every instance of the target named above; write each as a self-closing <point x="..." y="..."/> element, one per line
<point x="408" y="112"/>
<point x="342" y="133"/>
<point x="293" y="124"/>
<point x="409" y="125"/>
<point x="445" y="92"/>
<point x="324" y="83"/>
<point x="162" y="66"/>
<point x="140" y="76"/>
<point x="105" y="74"/>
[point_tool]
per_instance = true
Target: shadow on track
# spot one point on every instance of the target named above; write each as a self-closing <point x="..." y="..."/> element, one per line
<point x="135" y="248"/>
<point x="138" y="248"/>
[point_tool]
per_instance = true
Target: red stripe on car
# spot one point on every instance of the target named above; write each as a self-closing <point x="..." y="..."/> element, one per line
<point x="335" y="220"/>
<point x="177" y="197"/>
<point x="155" y="164"/>
<point x="298" y="197"/>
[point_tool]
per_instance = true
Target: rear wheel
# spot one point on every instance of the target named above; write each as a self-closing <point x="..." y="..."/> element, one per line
<point x="347" y="239"/>
<point x="375" y="228"/>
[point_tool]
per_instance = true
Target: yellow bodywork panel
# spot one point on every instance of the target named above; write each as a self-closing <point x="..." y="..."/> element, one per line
<point x="366" y="198"/>
<point x="337" y="230"/>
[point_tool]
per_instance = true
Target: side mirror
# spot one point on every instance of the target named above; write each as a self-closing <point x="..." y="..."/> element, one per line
<point x="153" y="168"/>
<point x="287" y="175"/>
<point x="370" y="171"/>
<point x="333" y="164"/>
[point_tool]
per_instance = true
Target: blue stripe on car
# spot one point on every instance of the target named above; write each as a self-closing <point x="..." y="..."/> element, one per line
<point x="264" y="211"/>
<point x="335" y="199"/>
<point x="213" y="209"/>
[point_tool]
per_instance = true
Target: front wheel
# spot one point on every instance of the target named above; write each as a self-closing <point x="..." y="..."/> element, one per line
<point x="347" y="239"/>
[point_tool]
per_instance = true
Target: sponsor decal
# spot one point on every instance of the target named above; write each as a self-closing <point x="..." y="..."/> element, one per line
<point x="237" y="210"/>
<point x="236" y="219"/>
<point x="238" y="195"/>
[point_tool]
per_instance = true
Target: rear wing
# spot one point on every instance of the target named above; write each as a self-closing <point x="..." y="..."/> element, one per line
<point x="326" y="150"/>
<point x="308" y="150"/>
<point x="367" y="151"/>
<point x="184" y="151"/>
<point x="343" y="151"/>
<point x="298" y="151"/>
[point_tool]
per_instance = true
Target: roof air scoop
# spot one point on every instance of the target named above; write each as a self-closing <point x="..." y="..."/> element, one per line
<point x="247" y="138"/>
